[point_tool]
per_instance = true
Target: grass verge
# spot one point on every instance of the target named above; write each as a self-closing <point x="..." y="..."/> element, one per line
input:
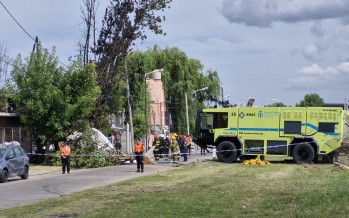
<point x="209" y="190"/>
<point x="40" y="169"/>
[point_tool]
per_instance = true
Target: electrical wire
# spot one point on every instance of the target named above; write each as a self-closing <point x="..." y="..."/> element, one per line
<point x="45" y="50"/>
<point x="16" y="21"/>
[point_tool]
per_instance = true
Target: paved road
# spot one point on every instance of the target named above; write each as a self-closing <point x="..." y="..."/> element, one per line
<point x="44" y="186"/>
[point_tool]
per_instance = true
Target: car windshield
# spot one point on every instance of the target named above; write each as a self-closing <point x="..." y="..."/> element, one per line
<point x="2" y="152"/>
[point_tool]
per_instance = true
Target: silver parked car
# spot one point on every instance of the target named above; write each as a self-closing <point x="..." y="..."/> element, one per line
<point x="13" y="161"/>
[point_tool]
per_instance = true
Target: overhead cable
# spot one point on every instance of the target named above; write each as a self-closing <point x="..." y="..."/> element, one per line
<point x="45" y="50"/>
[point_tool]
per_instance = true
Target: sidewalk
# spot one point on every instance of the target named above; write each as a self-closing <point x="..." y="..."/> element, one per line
<point x="167" y="161"/>
<point x="43" y="186"/>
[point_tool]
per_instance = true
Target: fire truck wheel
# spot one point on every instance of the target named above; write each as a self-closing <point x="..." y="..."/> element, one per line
<point x="226" y="152"/>
<point x="303" y="153"/>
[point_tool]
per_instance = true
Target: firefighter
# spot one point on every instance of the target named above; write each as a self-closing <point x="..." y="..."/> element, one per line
<point x="65" y="157"/>
<point x="175" y="151"/>
<point x="180" y="142"/>
<point x="157" y="147"/>
<point x="138" y="153"/>
<point x="184" y="148"/>
<point x="164" y="146"/>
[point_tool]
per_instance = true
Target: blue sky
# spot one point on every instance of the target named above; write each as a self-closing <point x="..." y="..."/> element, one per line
<point x="270" y="50"/>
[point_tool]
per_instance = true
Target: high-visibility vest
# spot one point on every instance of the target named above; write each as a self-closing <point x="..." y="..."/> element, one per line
<point x="157" y="144"/>
<point x="65" y="150"/>
<point x="188" y="139"/>
<point x="139" y="147"/>
<point x="175" y="147"/>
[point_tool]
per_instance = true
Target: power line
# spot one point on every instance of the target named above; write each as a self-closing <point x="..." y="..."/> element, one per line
<point x="45" y="50"/>
<point x="16" y="21"/>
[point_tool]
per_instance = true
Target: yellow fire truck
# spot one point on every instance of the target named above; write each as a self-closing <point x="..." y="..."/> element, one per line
<point x="307" y="134"/>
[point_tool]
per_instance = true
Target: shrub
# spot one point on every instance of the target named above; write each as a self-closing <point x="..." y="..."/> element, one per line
<point x="85" y="158"/>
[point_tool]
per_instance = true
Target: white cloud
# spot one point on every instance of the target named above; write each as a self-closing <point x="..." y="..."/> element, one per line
<point x="311" y="52"/>
<point x="315" y="76"/>
<point x="312" y="70"/>
<point x="263" y="13"/>
<point x="343" y="68"/>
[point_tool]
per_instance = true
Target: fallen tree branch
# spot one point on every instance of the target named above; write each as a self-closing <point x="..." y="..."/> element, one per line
<point x="342" y="165"/>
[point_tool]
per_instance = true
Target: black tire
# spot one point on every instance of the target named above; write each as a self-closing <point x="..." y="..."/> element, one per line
<point x="4" y="176"/>
<point x="25" y="174"/>
<point x="303" y="153"/>
<point x="226" y="152"/>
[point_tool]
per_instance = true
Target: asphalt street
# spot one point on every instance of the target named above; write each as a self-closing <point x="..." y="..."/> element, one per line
<point x="43" y="186"/>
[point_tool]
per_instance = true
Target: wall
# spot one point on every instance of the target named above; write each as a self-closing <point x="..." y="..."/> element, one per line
<point x="156" y="117"/>
<point x="11" y="130"/>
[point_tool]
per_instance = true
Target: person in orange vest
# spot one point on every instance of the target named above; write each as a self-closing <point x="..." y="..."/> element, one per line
<point x="138" y="153"/>
<point x="65" y="156"/>
<point x="189" y="142"/>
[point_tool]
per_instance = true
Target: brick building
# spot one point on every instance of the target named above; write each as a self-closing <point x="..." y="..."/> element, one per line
<point x="158" y="112"/>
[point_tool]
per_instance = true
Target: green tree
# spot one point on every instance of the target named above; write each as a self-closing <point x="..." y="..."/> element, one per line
<point x="125" y="21"/>
<point x="81" y="89"/>
<point x="311" y="100"/>
<point x="277" y="104"/>
<point x="50" y="100"/>
<point x="182" y="75"/>
<point x="4" y="75"/>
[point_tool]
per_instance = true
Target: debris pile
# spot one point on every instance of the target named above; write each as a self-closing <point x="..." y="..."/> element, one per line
<point x="149" y="160"/>
<point x="256" y="161"/>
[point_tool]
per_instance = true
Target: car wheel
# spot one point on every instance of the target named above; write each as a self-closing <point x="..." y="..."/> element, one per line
<point x="4" y="176"/>
<point x="25" y="174"/>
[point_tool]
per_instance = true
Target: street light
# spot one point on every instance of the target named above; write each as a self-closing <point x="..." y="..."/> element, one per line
<point x="222" y="94"/>
<point x="198" y="90"/>
<point x="186" y="105"/>
<point x="145" y="104"/>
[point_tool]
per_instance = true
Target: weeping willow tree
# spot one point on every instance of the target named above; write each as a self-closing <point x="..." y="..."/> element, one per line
<point x="181" y="75"/>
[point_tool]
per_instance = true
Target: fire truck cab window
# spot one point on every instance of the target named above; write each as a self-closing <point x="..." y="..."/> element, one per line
<point x="214" y="120"/>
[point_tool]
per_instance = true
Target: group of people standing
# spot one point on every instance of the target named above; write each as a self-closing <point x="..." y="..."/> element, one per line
<point x="179" y="145"/>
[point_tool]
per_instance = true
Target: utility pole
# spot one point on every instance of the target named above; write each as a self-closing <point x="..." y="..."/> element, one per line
<point x="129" y="107"/>
<point x="186" y="111"/>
